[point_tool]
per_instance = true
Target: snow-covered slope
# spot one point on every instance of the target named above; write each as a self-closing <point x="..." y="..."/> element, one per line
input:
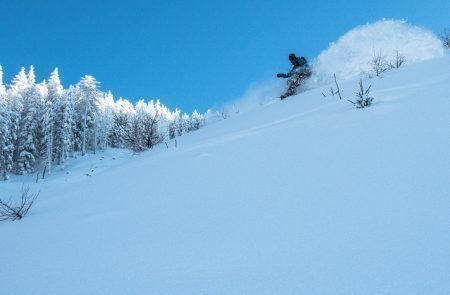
<point x="304" y="196"/>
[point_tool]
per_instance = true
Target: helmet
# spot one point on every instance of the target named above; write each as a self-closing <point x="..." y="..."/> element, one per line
<point x="293" y="58"/>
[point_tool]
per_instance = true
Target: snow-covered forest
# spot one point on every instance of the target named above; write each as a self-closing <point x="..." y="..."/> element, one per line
<point x="42" y="124"/>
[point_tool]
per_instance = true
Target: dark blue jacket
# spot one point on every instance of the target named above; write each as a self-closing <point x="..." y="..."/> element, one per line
<point x="300" y="66"/>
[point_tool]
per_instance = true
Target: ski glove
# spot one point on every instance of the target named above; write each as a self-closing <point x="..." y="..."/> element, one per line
<point x="281" y="75"/>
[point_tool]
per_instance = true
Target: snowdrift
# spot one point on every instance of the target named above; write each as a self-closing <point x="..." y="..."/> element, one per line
<point x="351" y="54"/>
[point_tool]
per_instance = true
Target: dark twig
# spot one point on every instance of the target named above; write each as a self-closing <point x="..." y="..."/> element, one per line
<point x="337" y="87"/>
<point x="16" y="211"/>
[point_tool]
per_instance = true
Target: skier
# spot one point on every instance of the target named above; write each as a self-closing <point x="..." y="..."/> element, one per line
<point x="299" y="73"/>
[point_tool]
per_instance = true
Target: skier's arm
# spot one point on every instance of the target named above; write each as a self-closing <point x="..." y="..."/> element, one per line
<point x="294" y="68"/>
<point x="288" y="75"/>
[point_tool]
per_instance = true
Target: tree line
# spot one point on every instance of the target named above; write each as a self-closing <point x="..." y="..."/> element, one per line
<point x="45" y="124"/>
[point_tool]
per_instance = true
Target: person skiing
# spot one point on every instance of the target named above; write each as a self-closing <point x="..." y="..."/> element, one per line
<point x="300" y="72"/>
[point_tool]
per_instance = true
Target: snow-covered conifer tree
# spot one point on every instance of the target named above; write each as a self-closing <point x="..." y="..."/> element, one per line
<point x="196" y="121"/>
<point x="5" y="159"/>
<point x="6" y="147"/>
<point x="26" y="140"/>
<point x="2" y="86"/>
<point x="14" y="107"/>
<point x="185" y="124"/>
<point x="15" y="95"/>
<point x="121" y="130"/>
<point x="104" y="119"/>
<point x="64" y="126"/>
<point x="163" y="113"/>
<point x="47" y="126"/>
<point x="174" y="120"/>
<point x="87" y="108"/>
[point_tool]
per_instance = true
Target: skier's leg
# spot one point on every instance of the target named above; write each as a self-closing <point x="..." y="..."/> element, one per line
<point x="290" y="91"/>
<point x="292" y="85"/>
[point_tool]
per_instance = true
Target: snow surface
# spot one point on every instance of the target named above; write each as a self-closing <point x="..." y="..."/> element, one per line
<point x="304" y="196"/>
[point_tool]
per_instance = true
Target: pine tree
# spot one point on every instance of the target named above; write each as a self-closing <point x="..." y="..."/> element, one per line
<point x="6" y="148"/>
<point x="185" y="123"/>
<point x="140" y="120"/>
<point x="26" y="140"/>
<point x="2" y="86"/>
<point x="173" y="123"/>
<point x="105" y="119"/>
<point x="179" y="124"/>
<point x="196" y="121"/>
<point x="64" y="126"/>
<point x="5" y="144"/>
<point x="47" y="126"/>
<point x="87" y="108"/>
<point x="13" y="111"/>
<point x="15" y="95"/>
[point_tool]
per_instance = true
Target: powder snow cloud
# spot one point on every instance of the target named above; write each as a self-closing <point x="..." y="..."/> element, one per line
<point x="350" y="55"/>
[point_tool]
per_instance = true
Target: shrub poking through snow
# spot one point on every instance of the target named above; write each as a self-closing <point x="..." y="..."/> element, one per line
<point x="363" y="98"/>
<point x="379" y="64"/>
<point x="16" y="211"/>
<point x="398" y="61"/>
<point x="338" y="89"/>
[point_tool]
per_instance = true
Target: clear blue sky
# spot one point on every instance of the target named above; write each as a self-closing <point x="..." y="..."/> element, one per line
<point x="191" y="53"/>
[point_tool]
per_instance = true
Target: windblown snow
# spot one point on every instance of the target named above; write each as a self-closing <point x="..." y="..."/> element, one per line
<point x="351" y="54"/>
<point x="303" y="196"/>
